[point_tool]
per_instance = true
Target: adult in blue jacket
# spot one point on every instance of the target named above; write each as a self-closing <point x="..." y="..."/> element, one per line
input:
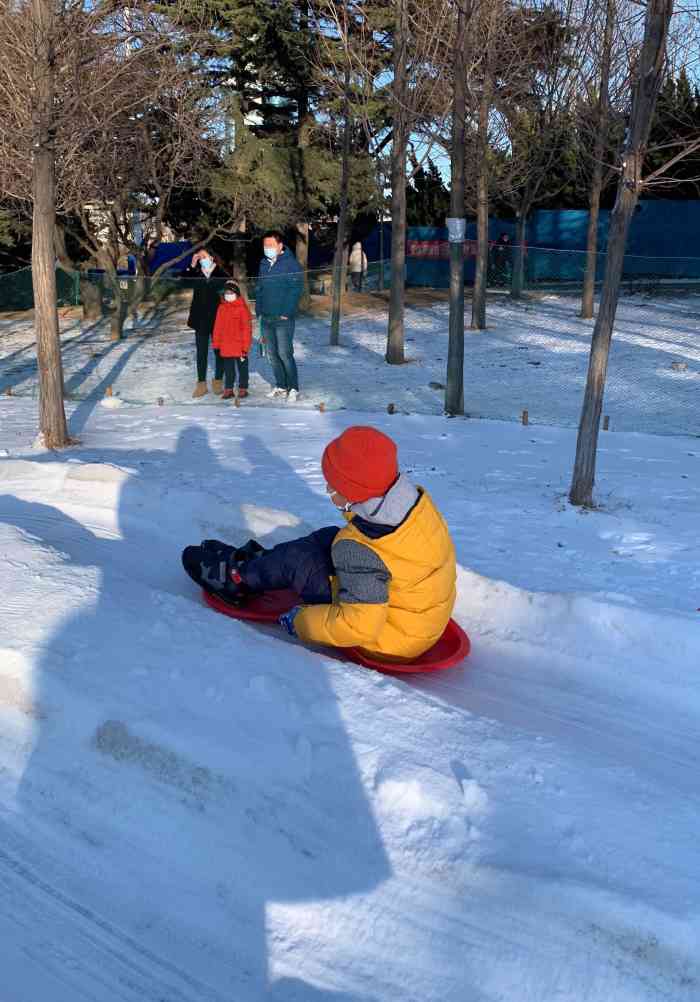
<point x="277" y="294"/>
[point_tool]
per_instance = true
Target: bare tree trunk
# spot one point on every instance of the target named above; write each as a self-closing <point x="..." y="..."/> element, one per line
<point x="454" y="392"/>
<point x="118" y="317"/>
<point x="482" y="181"/>
<point x="649" y="76"/>
<point x="90" y="293"/>
<point x="517" y="283"/>
<point x="139" y="287"/>
<point x="482" y="208"/>
<point x="381" y="251"/>
<point x="91" y="298"/>
<point x="305" y="121"/>
<point x="482" y="247"/>
<point x="601" y="137"/>
<point x="301" y="252"/>
<point x="588" y="293"/>
<point x="344" y="271"/>
<point x="341" y="239"/>
<point x="52" y="416"/>
<point x="239" y="264"/>
<point x="120" y="303"/>
<point x="397" y="293"/>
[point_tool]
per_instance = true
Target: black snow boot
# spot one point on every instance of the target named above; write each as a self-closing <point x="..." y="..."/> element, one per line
<point x="249" y="551"/>
<point x="214" y="567"/>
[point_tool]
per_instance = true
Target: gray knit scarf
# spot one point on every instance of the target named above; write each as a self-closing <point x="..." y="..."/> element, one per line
<point x="393" y="507"/>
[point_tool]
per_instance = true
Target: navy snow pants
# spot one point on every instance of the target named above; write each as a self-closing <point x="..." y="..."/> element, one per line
<point x="303" y="564"/>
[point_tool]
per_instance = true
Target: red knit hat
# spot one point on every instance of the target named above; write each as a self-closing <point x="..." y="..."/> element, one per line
<point x="361" y="463"/>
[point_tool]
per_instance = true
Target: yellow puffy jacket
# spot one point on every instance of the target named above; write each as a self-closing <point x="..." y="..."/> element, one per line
<point x="393" y="595"/>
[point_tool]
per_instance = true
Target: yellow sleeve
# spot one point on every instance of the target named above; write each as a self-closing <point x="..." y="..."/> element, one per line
<point x="343" y="625"/>
<point x="358" y="614"/>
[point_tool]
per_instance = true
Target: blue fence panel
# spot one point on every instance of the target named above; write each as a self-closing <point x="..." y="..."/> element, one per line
<point x="662" y="242"/>
<point x="162" y="253"/>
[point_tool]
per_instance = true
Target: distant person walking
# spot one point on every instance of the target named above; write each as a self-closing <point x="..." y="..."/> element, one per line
<point x="206" y="277"/>
<point x="277" y="294"/>
<point x="357" y="266"/>
<point x="502" y="260"/>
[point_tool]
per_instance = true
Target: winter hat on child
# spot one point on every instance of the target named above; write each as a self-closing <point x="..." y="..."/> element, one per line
<point x="232" y="287"/>
<point x="361" y="463"/>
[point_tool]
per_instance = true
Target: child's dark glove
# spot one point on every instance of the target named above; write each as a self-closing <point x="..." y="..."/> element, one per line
<point x="286" y="620"/>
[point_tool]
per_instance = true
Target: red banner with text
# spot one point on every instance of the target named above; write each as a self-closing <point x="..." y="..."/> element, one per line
<point x="438" y="250"/>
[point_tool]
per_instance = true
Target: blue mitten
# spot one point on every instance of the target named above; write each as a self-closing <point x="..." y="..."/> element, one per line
<point x="286" y="620"/>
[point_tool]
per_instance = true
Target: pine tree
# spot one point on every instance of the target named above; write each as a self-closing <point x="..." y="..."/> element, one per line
<point x="676" y="124"/>
<point x="427" y="197"/>
<point x="286" y="116"/>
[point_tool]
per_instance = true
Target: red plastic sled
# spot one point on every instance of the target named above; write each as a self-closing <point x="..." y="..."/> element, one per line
<point x="452" y="647"/>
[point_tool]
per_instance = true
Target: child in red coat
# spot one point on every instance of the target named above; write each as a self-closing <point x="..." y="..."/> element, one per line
<point x="232" y="338"/>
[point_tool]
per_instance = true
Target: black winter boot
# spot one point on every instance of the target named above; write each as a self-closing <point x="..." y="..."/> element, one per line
<point x="249" y="551"/>
<point x="214" y="567"/>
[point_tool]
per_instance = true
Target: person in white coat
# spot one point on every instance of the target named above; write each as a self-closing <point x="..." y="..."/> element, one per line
<point x="357" y="265"/>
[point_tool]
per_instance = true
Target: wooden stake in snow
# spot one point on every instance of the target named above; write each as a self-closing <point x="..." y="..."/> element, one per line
<point x="526" y="417"/>
<point x="606" y="423"/>
<point x="108" y="391"/>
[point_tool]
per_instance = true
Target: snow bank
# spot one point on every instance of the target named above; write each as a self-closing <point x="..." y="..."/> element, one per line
<point x="608" y="627"/>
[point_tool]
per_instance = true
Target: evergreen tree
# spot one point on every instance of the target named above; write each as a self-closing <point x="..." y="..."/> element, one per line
<point x="676" y="124"/>
<point x="287" y="140"/>
<point x="427" y="197"/>
<point x="15" y="237"/>
<point x="269" y="60"/>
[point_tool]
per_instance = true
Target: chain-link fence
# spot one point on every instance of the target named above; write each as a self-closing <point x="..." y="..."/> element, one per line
<point x="16" y="292"/>
<point x="544" y="269"/>
<point x="550" y="269"/>
<point x="557" y="267"/>
<point x="99" y="293"/>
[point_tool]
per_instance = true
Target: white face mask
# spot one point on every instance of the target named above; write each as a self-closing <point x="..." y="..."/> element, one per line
<point x="331" y="492"/>
<point x="230" y="297"/>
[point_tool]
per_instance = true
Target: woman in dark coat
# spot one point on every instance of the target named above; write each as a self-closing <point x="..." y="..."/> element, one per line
<point x="208" y="283"/>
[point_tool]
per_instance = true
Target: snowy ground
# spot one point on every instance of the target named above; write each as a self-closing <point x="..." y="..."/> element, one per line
<point x="534" y="356"/>
<point x="195" y="811"/>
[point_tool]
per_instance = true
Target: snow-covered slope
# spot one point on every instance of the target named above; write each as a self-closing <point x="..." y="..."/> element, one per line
<point x="192" y="809"/>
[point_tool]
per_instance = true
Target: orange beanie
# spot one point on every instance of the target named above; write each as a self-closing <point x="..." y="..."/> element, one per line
<point x="361" y="463"/>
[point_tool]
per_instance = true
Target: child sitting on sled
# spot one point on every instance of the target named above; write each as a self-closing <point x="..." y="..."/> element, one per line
<point x="232" y="337"/>
<point x="384" y="583"/>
